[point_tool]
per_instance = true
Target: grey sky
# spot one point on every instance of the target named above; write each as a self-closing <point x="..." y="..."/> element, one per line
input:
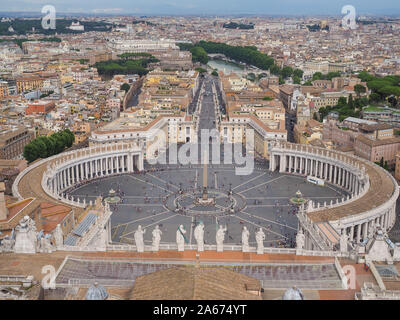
<point x="217" y="7"/>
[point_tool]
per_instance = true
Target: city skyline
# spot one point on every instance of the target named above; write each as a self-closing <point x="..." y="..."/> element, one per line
<point x="194" y="7"/>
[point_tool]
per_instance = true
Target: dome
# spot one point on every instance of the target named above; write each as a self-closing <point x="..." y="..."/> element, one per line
<point x="96" y="292"/>
<point x="293" y="294"/>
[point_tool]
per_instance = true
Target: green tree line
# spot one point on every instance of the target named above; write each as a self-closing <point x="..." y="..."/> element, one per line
<point x="346" y="107"/>
<point x="20" y="41"/>
<point x="124" y="66"/>
<point x="247" y="54"/>
<point x="383" y="88"/>
<point x="43" y="146"/>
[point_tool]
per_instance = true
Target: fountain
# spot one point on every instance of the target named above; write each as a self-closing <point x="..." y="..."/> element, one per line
<point x="112" y="197"/>
<point x="299" y="200"/>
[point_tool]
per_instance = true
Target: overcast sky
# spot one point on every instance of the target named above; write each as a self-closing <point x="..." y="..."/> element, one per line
<point x="214" y="7"/>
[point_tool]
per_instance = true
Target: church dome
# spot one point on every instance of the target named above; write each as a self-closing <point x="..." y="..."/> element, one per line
<point x="96" y="292"/>
<point x="293" y="294"/>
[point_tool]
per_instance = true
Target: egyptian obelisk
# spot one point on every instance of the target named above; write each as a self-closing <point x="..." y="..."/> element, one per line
<point x="205" y="193"/>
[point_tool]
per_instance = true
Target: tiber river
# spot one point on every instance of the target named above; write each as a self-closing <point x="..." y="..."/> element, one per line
<point x="224" y="66"/>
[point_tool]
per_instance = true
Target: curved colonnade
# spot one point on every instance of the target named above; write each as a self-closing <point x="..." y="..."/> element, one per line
<point x="373" y="190"/>
<point x="68" y="169"/>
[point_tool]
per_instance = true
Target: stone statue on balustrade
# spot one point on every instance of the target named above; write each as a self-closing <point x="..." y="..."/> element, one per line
<point x="199" y="236"/>
<point x="220" y="237"/>
<point x="156" y="238"/>
<point x="7" y="244"/>
<point x="245" y="239"/>
<point x="139" y="238"/>
<point x="45" y="245"/>
<point x="344" y="238"/>
<point x="26" y="237"/>
<point x="300" y="240"/>
<point x="180" y="238"/>
<point x="260" y="237"/>
<point x="58" y="236"/>
<point x="310" y="206"/>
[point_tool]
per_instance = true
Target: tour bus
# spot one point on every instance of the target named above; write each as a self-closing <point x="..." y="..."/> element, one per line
<point x="316" y="181"/>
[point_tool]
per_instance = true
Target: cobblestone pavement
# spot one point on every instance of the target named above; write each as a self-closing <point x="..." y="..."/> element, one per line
<point x="266" y="202"/>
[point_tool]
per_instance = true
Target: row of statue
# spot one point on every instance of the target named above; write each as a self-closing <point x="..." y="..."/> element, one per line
<point x="26" y="239"/>
<point x="199" y="237"/>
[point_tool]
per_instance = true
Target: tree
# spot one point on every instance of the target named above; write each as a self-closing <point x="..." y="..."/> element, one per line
<point x="275" y="70"/>
<point x="268" y="98"/>
<point x="317" y="76"/>
<point x="342" y="102"/>
<point x="298" y="73"/>
<point x="385" y="166"/>
<point x="199" y="55"/>
<point x="40" y="147"/>
<point x="296" y="80"/>
<point x="31" y="152"/>
<point x="215" y="73"/>
<point x="365" y="76"/>
<point x="350" y="103"/>
<point x="374" y="97"/>
<point x="381" y="162"/>
<point x="201" y="70"/>
<point x="125" y="87"/>
<point x="358" y="88"/>
<point x="251" y="76"/>
<point x="286" y="72"/>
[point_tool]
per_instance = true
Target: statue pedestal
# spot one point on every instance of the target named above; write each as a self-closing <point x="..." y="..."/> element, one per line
<point x="181" y="247"/>
<point x="24" y="243"/>
<point x="260" y="250"/>
<point x="245" y="248"/>
<point x="220" y="247"/>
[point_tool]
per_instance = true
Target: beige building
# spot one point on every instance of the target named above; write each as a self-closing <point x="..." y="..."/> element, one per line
<point x="234" y="129"/>
<point x="13" y="141"/>
<point x="375" y="150"/>
<point x="176" y="128"/>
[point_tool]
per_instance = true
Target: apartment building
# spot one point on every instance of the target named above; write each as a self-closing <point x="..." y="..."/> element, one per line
<point x="27" y="83"/>
<point x="3" y="89"/>
<point x="13" y="141"/>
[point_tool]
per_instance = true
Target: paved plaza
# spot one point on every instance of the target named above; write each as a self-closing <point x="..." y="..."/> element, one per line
<point x="168" y="195"/>
<point x="261" y="199"/>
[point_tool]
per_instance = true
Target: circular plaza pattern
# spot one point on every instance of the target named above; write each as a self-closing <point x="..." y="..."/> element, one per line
<point x="167" y="196"/>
